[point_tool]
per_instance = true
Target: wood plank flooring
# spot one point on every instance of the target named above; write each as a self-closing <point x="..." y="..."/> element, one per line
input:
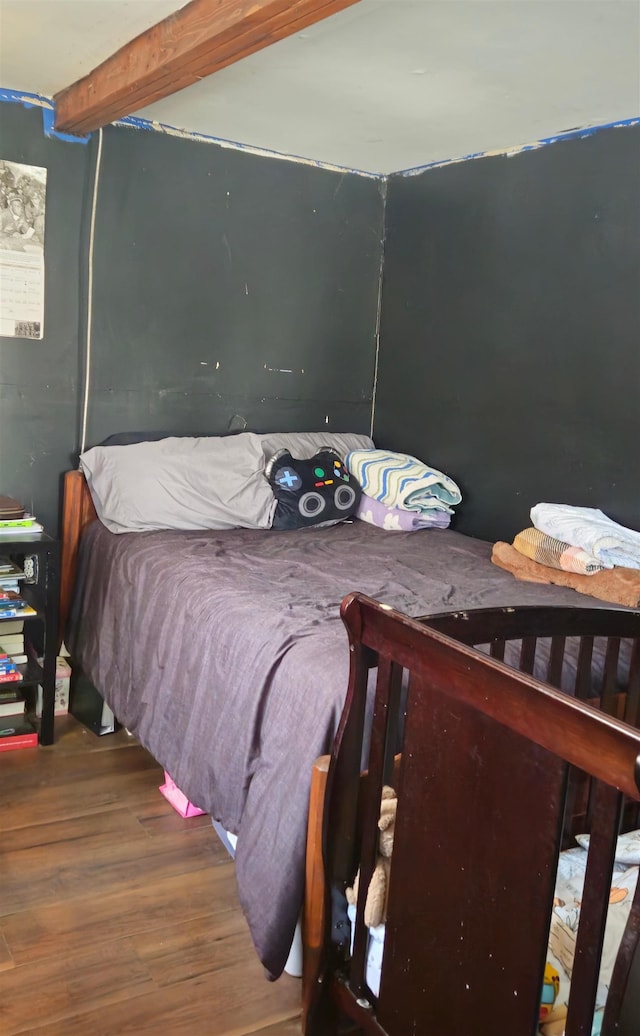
<point x="116" y="915"/>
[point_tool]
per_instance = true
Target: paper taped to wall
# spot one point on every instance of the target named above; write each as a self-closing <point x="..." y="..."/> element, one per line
<point x="22" y="222"/>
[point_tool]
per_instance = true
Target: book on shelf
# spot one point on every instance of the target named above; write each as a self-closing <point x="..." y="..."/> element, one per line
<point x="14" y="653"/>
<point x="10" y="582"/>
<point x="12" y="628"/>
<point x="8" y="597"/>
<point x="9" y="694"/>
<point x="10" y="677"/>
<point x="12" y="612"/>
<point x="9" y="571"/>
<point x="11" y="643"/>
<point x="11" y="638"/>
<point x="17" y="523"/>
<point x="16" y="707"/>
<point x="16" y="732"/>
<point x="8" y="567"/>
<point x="18" y="526"/>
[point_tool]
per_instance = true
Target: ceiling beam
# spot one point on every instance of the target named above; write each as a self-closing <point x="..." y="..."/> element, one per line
<point x="185" y="47"/>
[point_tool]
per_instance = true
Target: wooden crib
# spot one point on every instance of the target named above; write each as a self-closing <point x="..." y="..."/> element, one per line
<point x="497" y="770"/>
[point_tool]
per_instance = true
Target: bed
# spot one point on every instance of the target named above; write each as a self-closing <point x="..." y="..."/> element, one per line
<point x="224" y="653"/>
<point x="495" y="771"/>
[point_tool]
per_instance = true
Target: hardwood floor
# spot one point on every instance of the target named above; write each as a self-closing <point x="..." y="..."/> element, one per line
<point x="116" y="915"/>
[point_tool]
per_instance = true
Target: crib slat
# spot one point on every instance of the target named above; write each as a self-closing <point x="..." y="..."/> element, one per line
<point x="497" y="650"/>
<point x="632" y="716"/>
<point x="556" y="661"/>
<point x="528" y="654"/>
<point x="593" y="911"/>
<point x="632" y="711"/>
<point x="583" y="672"/>
<point x="387" y="689"/>
<point x="625" y="971"/>
<point x="610" y="676"/>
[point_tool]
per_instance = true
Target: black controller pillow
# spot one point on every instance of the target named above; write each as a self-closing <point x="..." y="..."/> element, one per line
<point x="318" y="491"/>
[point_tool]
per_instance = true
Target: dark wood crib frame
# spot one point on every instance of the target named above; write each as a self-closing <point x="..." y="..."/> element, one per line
<point x="502" y="768"/>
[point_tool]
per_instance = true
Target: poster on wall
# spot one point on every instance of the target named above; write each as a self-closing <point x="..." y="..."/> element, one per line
<point x="22" y="209"/>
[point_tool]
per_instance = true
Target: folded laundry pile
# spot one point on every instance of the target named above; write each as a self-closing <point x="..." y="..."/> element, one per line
<point x="400" y="492"/>
<point x="591" y="530"/>
<point x="579" y="547"/>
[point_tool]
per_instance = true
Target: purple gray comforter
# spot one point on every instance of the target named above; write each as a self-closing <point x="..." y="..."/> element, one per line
<point x="225" y="655"/>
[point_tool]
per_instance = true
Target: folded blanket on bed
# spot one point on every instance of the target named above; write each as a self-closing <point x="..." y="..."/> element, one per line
<point x="398" y="480"/>
<point x="591" y="529"/>
<point x="555" y="553"/>
<point x="618" y="585"/>
<point x="396" y="519"/>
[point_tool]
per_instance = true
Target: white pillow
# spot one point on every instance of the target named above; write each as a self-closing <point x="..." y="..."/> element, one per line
<point x="212" y="482"/>
<point x="627" y="849"/>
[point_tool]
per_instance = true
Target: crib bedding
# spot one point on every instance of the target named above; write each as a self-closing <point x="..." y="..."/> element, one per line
<point x="224" y="653"/>
<point x="564" y="925"/>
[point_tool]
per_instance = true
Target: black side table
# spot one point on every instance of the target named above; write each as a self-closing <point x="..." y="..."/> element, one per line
<point x="42" y="628"/>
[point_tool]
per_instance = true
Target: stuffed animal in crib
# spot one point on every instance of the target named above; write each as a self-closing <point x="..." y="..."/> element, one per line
<point x="375" y="910"/>
<point x="552" y="1016"/>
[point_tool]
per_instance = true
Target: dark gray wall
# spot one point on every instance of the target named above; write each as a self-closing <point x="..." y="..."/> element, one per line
<point x="211" y="266"/>
<point x="39" y="379"/>
<point x="510" y="316"/>
<point x="216" y="270"/>
<point x="510" y="335"/>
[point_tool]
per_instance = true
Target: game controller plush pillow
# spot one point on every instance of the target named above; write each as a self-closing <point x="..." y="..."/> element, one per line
<point x="315" y="492"/>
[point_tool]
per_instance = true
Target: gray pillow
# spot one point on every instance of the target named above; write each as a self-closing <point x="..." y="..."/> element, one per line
<point x="304" y="444"/>
<point x="211" y="482"/>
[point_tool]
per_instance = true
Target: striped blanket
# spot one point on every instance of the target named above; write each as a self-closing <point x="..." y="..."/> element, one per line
<point x="398" y="480"/>
<point x="555" y="553"/>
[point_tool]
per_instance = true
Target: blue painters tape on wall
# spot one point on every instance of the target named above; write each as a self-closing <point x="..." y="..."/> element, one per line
<point x="20" y="97"/>
<point x="572" y="134"/>
<point x="135" y="122"/>
<point x="29" y="100"/>
<point x="48" y="120"/>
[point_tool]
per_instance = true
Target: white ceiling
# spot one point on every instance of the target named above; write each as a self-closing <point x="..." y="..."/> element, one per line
<point x="382" y="86"/>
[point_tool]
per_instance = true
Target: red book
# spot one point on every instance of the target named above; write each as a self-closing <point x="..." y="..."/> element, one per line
<point x="10" y="677"/>
<point x="16" y="732"/>
<point x="9" y="595"/>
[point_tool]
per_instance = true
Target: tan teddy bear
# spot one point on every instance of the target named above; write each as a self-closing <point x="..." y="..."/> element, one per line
<point x="375" y="910"/>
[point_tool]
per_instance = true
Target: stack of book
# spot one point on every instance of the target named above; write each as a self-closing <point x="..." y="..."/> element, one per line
<point x="11" y="632"/>
<point x="12" y="640"/>
<point x="12" y="702"/>
<point x="9" y="672"/>
<point x="17" y="526"/>
<point x="15" y="729"/>
<point x="13" y="606"/>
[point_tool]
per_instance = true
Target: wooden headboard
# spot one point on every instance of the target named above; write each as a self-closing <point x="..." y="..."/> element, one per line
<point x="77" y="512"/>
